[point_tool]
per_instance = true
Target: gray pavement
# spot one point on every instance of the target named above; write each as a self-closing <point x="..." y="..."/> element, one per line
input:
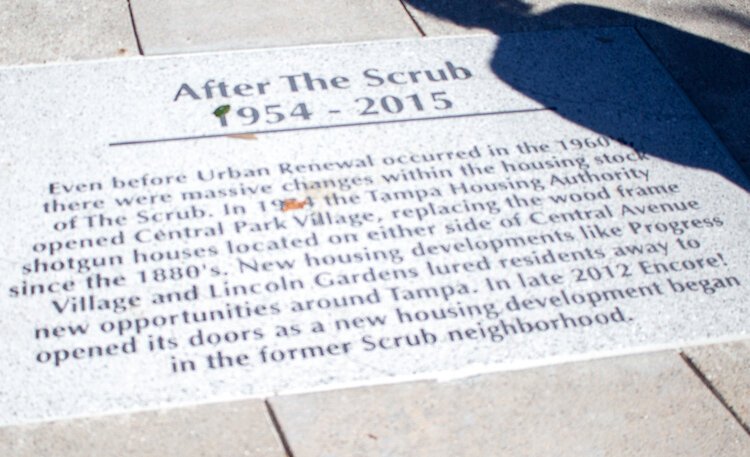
<point x="648" y="404"/>
<point x="695" y="403"/>
<point x="174" y="26"/>
<point x="39" y="31"/>
<point x="224" y="429"/>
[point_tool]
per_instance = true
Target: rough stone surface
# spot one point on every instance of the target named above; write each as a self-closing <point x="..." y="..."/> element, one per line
<point x="37" y="31"/>
<point x="705" y="45"/>
<point x="236" y="429"/>
<point x="129" y="126"/>
<point x="727" y="368"/>
<point x="630" y="406"/>
<point x="174" y="26"/>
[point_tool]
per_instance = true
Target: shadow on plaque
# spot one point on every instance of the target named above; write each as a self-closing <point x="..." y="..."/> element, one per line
<point x="626" y="107"/>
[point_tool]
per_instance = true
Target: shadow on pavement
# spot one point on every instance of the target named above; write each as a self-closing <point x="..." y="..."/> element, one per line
<point x="715" y="77"/>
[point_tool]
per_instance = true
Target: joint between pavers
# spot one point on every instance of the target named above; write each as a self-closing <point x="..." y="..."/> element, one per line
<point x="135" y="29"/>
<point x="279" y="431"/>
<point x="412" y="18"/>
<point x="707" y="382"/>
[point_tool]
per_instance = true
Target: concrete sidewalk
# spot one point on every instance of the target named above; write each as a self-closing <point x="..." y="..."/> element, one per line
<point x="693" y="402"/>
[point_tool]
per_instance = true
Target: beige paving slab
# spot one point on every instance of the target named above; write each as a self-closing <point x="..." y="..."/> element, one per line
<point x="226" y="429"/>
<point x="727" y="368"/>
<point x="727" y="22"/>
<point x="630" y="406"/>
<point x="174" y="26"/>
<point x="37" y="31"/>
<point x="705" y="44"/>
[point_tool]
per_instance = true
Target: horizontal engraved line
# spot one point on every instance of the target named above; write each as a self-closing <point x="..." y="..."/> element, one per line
<point x="330" y="126"/>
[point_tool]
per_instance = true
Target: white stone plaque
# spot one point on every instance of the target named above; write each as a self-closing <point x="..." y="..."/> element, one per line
<point x="198" y="228"/>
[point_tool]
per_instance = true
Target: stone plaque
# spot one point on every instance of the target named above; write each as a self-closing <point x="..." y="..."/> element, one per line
<point x="191" y="229"/>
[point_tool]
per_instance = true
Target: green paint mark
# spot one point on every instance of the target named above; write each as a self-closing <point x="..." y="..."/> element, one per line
<point x="222" y="110"/>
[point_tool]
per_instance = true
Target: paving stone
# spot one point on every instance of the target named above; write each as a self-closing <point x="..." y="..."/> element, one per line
<point x="37" y="31"/>
<point x="420" y="323"/>
<point x="727" y="367"/>
<point x="719" y="20"/>
<point x="629" y="406"/>
<point x="236" y="429"/>
<point x="705" y="45"/>
<point x="173" y="26"/>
